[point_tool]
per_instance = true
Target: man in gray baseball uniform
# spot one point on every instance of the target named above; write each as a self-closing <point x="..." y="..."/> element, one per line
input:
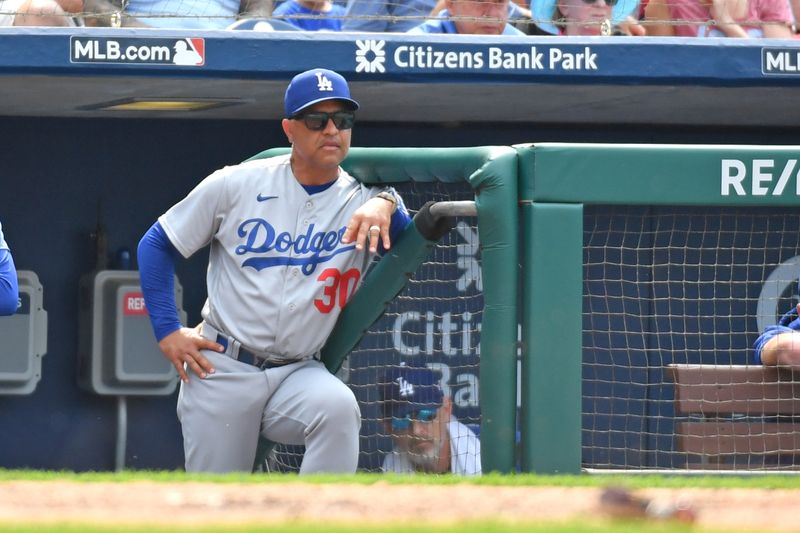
<point x="426" y="437"/>
<point x="290" y="238"/>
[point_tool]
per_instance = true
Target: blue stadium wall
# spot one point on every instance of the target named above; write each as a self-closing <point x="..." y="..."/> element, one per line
<point x="60" y="176"/>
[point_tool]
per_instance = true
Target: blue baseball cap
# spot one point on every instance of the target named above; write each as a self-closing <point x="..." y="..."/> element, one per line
<point x="406" y="389"/>
<point x="313" y="86"/>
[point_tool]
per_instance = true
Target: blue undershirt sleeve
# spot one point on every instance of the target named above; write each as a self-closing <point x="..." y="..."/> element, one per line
<point x="400" y="219"/>
<point x="156" y="255"/>
<point x="789" y="318"/>
<point x="9" y="288"/>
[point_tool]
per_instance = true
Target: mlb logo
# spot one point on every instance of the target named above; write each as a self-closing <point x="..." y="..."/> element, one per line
<point x="190" y="52"/>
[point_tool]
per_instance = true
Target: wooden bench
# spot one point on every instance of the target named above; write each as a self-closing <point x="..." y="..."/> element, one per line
<point x="737" y="416"/>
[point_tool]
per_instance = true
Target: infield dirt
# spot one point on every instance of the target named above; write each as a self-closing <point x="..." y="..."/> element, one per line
<point x="140" y="502"/>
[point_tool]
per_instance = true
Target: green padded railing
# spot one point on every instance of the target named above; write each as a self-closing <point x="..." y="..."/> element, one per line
<point x="384" y="282"/>
<point x="665" y="174"/>
<point x="492" y="172"/>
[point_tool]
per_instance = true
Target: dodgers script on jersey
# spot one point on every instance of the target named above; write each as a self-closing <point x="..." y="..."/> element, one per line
<point x="278" y="273"/>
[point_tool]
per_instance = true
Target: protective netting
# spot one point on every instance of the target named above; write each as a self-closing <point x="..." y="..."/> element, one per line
<point x="435" y="320"/>
<point x="662" y="286"/>
<point x="683" y="286"/>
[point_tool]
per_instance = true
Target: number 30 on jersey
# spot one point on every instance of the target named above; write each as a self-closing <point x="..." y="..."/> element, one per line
<point x="338" y="288"/>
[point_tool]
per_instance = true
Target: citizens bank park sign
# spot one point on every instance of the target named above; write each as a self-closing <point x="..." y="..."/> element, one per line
<point x="398" y="54"/>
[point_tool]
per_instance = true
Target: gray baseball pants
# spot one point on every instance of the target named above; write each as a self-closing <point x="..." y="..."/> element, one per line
<point x="299" y="403"/>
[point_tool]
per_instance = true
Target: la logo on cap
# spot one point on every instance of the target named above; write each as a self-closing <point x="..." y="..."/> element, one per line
<point x="323" y="83"/>
<point x="406" y="388"/>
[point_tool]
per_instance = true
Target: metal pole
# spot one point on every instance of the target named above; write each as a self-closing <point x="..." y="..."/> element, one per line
<point x="465" y="208"/>
<point x="122" y="433"/>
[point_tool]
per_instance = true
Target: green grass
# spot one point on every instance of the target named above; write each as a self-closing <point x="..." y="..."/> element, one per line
<point x="767" y="481"/>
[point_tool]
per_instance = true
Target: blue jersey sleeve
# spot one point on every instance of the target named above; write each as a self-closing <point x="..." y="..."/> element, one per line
<point x="400" y="219"/>
<point x="156" y="255"/>
<point x="790" y="319"/>
<point x="9" y="288"/>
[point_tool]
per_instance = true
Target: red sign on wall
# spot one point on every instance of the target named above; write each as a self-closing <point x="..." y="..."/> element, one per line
<point x="133" y="304"/>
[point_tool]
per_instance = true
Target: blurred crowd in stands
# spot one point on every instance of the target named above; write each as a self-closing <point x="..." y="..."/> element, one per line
<point x="682" y="18"/>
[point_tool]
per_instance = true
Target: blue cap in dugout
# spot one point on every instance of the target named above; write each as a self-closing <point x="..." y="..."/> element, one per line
<point x="314" y="86"/>
<point x="543" y="12"/>
<point x="408" y="393"/>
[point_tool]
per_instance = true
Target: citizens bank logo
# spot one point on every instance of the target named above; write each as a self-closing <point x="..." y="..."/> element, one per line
<point x="189" y="52"/>
<point x="370" y="56"/>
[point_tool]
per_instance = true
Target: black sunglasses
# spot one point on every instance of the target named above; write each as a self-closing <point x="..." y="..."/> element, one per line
<point x="318" y="120"/>
<point x="610" y="3"/>
<point x="423" y="415"/>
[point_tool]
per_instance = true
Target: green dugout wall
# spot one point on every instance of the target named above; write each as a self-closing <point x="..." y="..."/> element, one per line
<point x="556" y="182"/>
<point x="492" y="173"/>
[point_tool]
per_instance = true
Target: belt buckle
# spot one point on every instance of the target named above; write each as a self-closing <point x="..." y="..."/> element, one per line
<point x="265" y="364"/>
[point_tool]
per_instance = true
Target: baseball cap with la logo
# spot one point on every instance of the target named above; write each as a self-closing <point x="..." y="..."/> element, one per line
<point x="409" y="388"/>
<point x="314" y="86"/>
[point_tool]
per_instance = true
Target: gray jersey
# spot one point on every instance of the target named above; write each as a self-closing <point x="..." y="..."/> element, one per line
<point x="465" y="453"/>
<point x="278" y="274"/>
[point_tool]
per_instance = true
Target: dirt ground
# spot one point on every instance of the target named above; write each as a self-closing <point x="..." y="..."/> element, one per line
<point x="205" y="503"/>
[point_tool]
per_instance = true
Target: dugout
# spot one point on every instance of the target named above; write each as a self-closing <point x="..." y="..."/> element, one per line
<point x="68" y="162"/>
<point x="658" y="255"/>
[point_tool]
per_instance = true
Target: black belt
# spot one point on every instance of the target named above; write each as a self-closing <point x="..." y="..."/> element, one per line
<point x="248" y="357"/>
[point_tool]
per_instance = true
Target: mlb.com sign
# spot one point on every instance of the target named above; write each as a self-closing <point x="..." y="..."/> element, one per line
<point x="189" y="52"/>
<point x="784" y="61"/>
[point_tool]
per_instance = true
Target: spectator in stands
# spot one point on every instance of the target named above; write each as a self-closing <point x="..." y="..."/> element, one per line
<point x="39" y="12"/>
<point x="780" y="344"/>
<point x="197" y="14"/>
<point x="519" y="16"/>
<point x="385" y="15"/>
<point x="719" y="18"/>
<point x="322" y="14"/>
<point x="425" y="436"/>
<point x="587" y="17"/>
<point x="9" y="289"/>
<point x="476" y="17"/>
